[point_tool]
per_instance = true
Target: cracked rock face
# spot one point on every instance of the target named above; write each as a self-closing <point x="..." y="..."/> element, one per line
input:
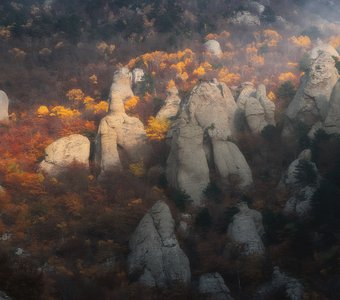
<point x="156" y="257"/>
<point x="120" y="89"/>
<point x="280" y="280"/>
<point x="311" y="102"/>
<point x="212" y="286"/>
<point x="172" y="104"/>
<point x="213" y="47"/>
<point x="332" y="122"/>
<point x="64" y="151"/>
<point x="201" y="134"/>
<point x="246" y="228"/>
<point x="4" y="102"/>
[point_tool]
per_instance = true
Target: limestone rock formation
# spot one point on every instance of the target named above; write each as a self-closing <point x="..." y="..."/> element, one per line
<point x="213" y="287"/>
<point x="292" y="287"/>
<point x="200" y="137"/>
<point x="63" y="152"/>
<point x="213" y="47"/>
<point x="332" y="122"/>
<point x="116" y="131"/>
<point x="155" y="253"/>
<point x="257" y="109"/>
<point x="245" y="18"/>
<point x="311" y="102"/>
<point x="246" y="228"/>
<point x="187" y="167"/>
<point x="302" y="179"/>
<point x="120" y="88"/>
<point x="4" y="102"/>
<point x="172" y="104"/>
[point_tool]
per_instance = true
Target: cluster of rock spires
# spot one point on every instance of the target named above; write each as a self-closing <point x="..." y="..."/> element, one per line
<point x="202" y="143"/>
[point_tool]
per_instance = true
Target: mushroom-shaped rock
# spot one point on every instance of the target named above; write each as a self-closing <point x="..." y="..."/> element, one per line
<point x="187" y="167"/>
<point x="65" y="151"/>
<point x="246" y="228"/>
<point x="155" y="253"/>
<point x="213" y="287"/>
<point x="4" y="102"/>
<point x="280" y="281"/>
<point x="213" y="47"/>
<point x="120" y="88"/>
<point x="332" y="122"/>
<point x="212" y="104"/>
<point x="311" y="102"/>
<point x="172" y="104"/>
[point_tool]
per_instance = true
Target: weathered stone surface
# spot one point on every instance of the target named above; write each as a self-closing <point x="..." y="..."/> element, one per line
<point x="4" y="102"/>
<point x="245" y="18"/>
<point x="64" y="151"/>
<point x="155" y="253"/>
<point x="137" y="75"/>
<point x="213" y="47"/>
<point x="213" y="287"/>
<point x="120" y="90"/>
<point x="302" y="192"/>
<point x="255" y="115"/>
<point x="246" y="228"/>
<point x="280" y="280"/>
<point x="187" y="167"/>
<point x="311" y="102"/>
<point x="172" y="104"/>
<point x="332" y="122"/>
<point x="212" y="105"/>
<point x="268" y="106"/>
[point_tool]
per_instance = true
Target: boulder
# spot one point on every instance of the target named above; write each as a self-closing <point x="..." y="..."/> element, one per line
<point x="332" y="122"/>
<point x="65" y="151"/>
<point x="255" y="115"/>
<point x="213" y="47"/>
<point x="311" y="102"/>
<point x="213" y="287"/>
<point x="246" y="229"/>
<point x="4" y="102"/>
<point x="120" y="89"/>
<point x="280" y="281"/>
<point x="187" y="167"/>
<point x="256" y="7"/>
<point x="155" y="255"/>
<point x="172" y="104"/>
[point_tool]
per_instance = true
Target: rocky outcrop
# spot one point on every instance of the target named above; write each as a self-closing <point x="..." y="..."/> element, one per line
<point x="213" y="287"/>
<point x="213" y="47"/>
<point x="332" y="122"/>
<point x="121" y="88"/>
<point x="138" y="81"/>
<point x="311" y="102"/>
<point x="172" y="104"/>
<point x="65" y="151"/>
<point x="245" y="18"/>
<point x="280" y="281"/>
<point x="246" y="229"/>
<point x="4" y="102"/>
<point x="187" y="167"/>
<point x="201" y="137"/>
<point x="156" y="257"/>
<point x="302" y="180"/>
<point x="257" y="109"/>
<point x="116" y="131"/>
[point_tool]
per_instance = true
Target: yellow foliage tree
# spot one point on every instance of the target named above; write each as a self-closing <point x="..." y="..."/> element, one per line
<point x="43" y="111"/>
<point x="131" y="103"/>
<point x="75" y="95"/>
<point x="157" y="129"/>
